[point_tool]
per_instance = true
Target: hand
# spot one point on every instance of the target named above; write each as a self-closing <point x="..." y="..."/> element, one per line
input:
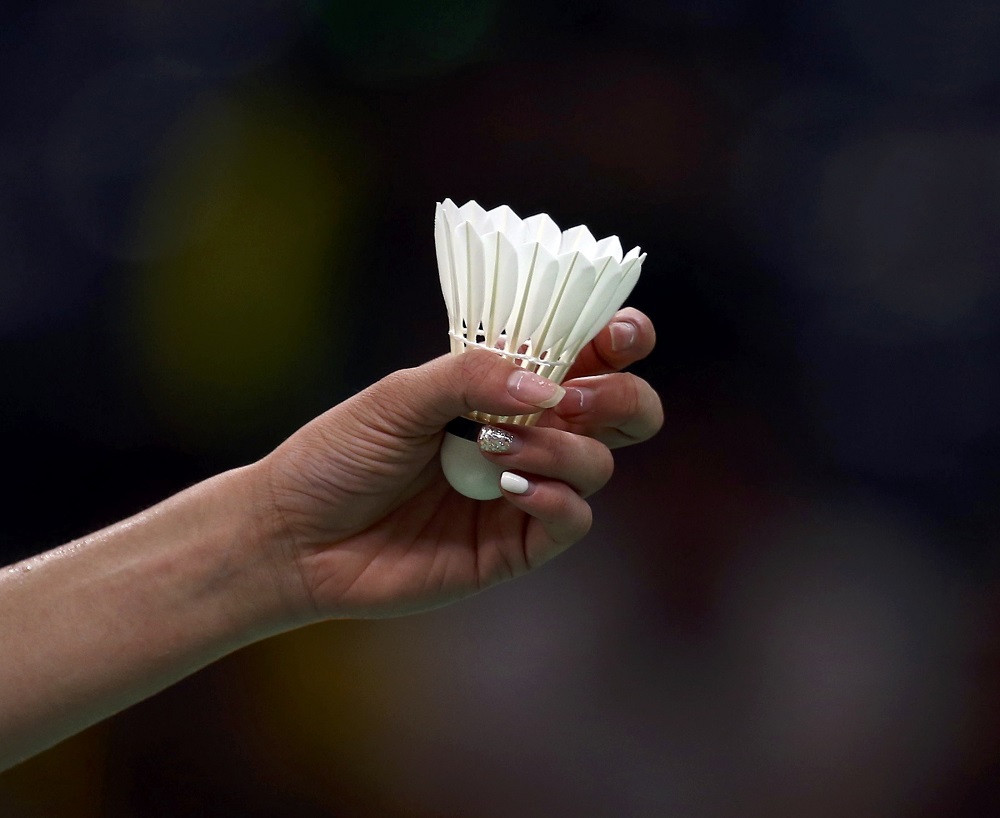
<point x="351" y="516"/>
<point x="369" y="527"/>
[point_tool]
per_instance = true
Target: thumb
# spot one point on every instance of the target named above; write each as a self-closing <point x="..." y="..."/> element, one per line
<point x="452" y="385"/>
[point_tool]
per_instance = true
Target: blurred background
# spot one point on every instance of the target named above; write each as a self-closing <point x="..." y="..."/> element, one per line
<point x="216" y="221"/>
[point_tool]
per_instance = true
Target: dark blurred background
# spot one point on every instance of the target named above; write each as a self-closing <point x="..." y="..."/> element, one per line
<point x="216" y="220"/>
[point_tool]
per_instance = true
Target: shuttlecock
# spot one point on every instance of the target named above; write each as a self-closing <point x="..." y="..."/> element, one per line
<point x="524" y="289"/>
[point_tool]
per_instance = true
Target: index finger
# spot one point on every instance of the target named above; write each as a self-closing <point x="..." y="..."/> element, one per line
<point x="628" y="337"/>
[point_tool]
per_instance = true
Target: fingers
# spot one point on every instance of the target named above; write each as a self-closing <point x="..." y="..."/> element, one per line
<point x="558" y="517"/>
<point x="421" y="400"/>
<point x="618" y="409"/>
<point x="582" y="463"/>
<point x="425" y="398"/>
<point x="547" y="474"/>
<point x="628" y="337"/>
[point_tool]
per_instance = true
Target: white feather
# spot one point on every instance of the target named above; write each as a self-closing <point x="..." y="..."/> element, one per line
<point x="525" y="288"/>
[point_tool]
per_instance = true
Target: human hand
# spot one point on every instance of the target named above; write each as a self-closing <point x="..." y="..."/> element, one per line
<point x="365" y="522"/>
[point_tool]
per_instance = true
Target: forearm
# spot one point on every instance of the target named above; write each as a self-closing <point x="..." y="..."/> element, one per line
<point x="96" y="625"/>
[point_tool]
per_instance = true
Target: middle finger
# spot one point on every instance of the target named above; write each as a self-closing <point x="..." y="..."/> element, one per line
<point x="618" y="409"/>
<point x="583" y="463"/>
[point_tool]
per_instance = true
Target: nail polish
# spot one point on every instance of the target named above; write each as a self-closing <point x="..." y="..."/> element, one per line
<point x="578" y="400"/>
<point x="495" y="441"/>
<point x="513" y="483"/>
<point x="623" y="335"/>
<point x="534" y="389"/>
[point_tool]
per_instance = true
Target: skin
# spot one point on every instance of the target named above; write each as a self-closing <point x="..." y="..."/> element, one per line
<point x="349" y="517"/>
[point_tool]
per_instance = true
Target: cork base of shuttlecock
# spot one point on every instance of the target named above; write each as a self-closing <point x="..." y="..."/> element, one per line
<point x="462" y="461"/>
<point x="463" y="464"/>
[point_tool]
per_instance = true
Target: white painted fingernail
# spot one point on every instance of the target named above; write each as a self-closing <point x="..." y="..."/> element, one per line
<point x="513" y="483"/>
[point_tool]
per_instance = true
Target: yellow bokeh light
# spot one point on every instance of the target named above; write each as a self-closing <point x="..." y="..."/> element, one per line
<point x="250" y="223"/>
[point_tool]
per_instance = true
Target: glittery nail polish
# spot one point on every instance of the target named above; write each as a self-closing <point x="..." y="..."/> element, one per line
<point x="495" y="441"/>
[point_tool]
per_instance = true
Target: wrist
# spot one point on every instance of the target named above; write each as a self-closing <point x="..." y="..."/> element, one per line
<point x="249" y="553"/>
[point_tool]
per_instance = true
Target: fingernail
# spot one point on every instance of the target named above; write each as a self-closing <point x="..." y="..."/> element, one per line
<point x="622" y="335"/>
<point x="495" y="441"/>
<point x="577" y="401"/>
<point x="513" y="483"/>
<point x="534" y="389"/>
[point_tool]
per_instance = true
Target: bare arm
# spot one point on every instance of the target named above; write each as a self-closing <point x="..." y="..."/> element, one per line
<point x="350" y="517"/>
<point x="106" y="621"/>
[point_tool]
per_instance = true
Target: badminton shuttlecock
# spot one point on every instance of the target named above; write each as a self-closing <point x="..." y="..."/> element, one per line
<point x="524" y="289"/>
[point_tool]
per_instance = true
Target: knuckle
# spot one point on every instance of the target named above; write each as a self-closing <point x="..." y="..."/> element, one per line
<point x="631" y="395"/>
<point x="600" y="468"/>
<point x="605" y="464"/>
<point x="588" y="463"/>
<point x="396" y="381"/>
<point x="475" y="370"/>
<point x="649" y="408"/>
<point x="393" y="389"/>
<point x="658" y="416"/>
<point x="574" y="515"/>
<point x="584" y="520"/>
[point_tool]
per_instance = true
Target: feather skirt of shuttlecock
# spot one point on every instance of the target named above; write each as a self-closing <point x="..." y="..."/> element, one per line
<point x="525" y="289"/>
